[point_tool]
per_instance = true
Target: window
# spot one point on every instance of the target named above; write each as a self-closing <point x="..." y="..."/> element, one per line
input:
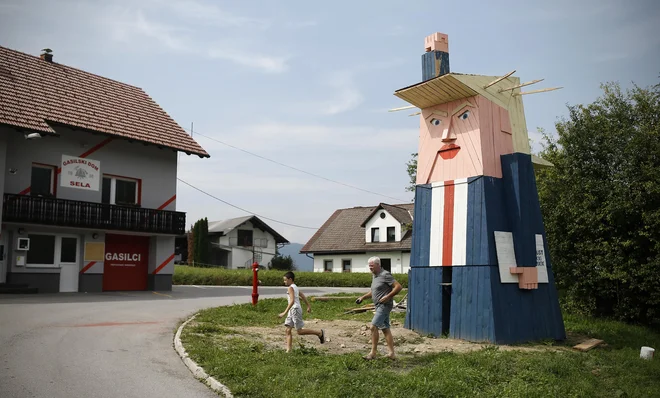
<point x="120" y="191"/>
<point x="375" y="237"/>
<point x="69" y="250"/>
<point x="390" y="234"/>
<point x="382" y="214"/>
<point x="42" y="249"/>
<point x="346" y="265"/>
<point x="327" y="266"/>
<point x="244" y="237"/>
<point x="42" y="180"/>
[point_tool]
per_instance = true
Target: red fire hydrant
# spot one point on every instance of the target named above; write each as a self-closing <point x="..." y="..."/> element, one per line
<point x="255" y="283"/>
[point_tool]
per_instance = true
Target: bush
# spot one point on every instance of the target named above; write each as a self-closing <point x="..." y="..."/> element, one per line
<point x="186" y="275"/>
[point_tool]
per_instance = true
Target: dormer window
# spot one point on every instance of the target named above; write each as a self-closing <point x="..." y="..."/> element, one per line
<point x="391" y="234"/>
<point x="375" y="236"/>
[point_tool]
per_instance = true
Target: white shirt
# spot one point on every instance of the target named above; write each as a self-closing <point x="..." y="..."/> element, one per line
<point x="296" y="297"/>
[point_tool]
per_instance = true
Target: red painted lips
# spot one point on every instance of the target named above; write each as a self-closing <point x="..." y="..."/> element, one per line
<point x="449" y="151"/>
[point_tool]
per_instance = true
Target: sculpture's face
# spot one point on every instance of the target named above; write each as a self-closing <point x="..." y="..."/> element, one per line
<point x="461" y="139"/>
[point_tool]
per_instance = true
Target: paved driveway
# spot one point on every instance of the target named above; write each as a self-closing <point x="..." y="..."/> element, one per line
<point x="107" y="344"/>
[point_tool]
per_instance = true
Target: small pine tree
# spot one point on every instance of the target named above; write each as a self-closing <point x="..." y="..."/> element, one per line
<point x="191" y="246"/>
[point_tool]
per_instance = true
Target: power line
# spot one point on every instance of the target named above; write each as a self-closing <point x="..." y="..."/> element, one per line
<point x="297" y="169"/>
<point x="249" y="212"/>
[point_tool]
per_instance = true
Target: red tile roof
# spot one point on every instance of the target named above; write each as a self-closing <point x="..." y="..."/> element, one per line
<point x="35" y="94"/>
<point x="343" y="232"/>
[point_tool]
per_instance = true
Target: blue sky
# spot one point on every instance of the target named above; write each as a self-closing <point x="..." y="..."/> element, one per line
<point x="309" y="83"/>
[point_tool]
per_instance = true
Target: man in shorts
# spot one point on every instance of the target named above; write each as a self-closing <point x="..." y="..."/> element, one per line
<point x="383" y="289"/>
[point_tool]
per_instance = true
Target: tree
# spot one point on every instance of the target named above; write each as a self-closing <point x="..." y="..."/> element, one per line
<point x="283" y="263"/>
<point x="601" y="204"/>
<point x="412" y="172"/>
<point x="191" y="246"/>
<point x="201" y="244"/>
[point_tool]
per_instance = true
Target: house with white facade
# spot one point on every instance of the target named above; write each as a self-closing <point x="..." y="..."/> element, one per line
<point x="237" y="243"/>
<point x="350" y="236"/>
<point x="88" y="177"/>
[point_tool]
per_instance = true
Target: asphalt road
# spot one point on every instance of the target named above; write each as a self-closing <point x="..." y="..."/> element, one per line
<point x="106" y="345"/>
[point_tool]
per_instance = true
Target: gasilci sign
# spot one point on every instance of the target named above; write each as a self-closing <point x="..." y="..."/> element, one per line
<point x="80" y="173"/>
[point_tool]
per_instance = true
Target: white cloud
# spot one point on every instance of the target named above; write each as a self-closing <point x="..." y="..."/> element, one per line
<point x="211" y="14"/>
<point x="269" y="64"/>
<point x="140" y="28"/>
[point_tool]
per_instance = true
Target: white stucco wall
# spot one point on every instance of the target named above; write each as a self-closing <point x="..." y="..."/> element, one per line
<point x="400" y="261"/>
<point x="239" y="256"/>
<point x="382" y="224"/>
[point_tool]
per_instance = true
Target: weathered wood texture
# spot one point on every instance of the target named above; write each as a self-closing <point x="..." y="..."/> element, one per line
<point x="434" y="64"/>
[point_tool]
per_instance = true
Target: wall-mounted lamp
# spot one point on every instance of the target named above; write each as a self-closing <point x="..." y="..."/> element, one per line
<point x="21" y="231"/>
<point x="12" y="170"/>
<point x="95" y="235"/>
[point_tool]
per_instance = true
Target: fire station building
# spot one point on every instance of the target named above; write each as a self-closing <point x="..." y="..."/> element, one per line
<point x="88" y="170"/>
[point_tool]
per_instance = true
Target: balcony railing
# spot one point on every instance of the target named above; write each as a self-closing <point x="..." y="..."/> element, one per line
<point x="73" y="213"/>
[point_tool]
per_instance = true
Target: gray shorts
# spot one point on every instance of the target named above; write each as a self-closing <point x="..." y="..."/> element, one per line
<point x="294" y="319"/>
<point x="382" y="316"/>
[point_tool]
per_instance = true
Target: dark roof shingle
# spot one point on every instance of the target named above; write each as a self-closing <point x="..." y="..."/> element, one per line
<point x="34" y="93"/>
<point x="343" y="231"/>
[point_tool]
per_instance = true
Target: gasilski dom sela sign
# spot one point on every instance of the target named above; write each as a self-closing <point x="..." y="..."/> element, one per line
<point x="80" y="173"/>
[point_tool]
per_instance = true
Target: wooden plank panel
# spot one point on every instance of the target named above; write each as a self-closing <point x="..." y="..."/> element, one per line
<point x="419" y="252"/>
<point x="473" y="213"/>
<point x="436" y="234"/>
<point x="485" y="131"/>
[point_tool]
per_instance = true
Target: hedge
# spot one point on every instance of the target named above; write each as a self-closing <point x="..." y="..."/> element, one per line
<point x="186" y="275"/>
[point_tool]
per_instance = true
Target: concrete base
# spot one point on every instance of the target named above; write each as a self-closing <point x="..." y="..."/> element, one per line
<point x="46" y="283"/>
<point x="90" y="283"/>
<point x="160" y="283"/>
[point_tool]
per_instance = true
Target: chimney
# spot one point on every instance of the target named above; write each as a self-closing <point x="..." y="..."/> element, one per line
<point x="46" y="55"/>
<point x="435" y="61"/>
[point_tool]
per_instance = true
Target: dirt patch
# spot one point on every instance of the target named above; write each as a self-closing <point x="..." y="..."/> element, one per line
<point x="345" y="336"/>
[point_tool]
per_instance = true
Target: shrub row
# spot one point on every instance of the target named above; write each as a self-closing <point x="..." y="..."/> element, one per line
<point x="186" y="275"/>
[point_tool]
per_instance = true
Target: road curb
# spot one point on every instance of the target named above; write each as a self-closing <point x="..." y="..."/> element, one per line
<point x="195" y="369"/>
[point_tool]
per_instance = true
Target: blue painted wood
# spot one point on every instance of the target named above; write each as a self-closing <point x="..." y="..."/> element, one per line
<point x="523" y="315"/>
<point x="424" y="311"/>
<point x="421" y="232"/>
<point x="482" y="308"/>
<point x="429" y="64"/>
<point x="471" y="317"/>
<point x="477" y="231"/>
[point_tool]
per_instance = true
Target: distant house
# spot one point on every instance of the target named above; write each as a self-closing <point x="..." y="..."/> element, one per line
<point x="238" y="242"/>
<point x="350" y="236"/>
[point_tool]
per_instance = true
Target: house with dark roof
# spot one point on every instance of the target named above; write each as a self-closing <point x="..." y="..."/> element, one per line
<point x="237" y="243"/>
<point x="350" y="236"/>
<point x="88" y="170"/>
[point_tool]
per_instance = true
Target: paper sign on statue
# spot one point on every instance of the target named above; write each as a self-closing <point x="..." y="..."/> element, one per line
<point x="540" y="259"/>
<point x="80" y="173"/>
<point x="506" y="256"/>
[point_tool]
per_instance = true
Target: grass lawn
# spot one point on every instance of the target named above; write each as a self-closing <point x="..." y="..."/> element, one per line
<point x="229" y="343"/>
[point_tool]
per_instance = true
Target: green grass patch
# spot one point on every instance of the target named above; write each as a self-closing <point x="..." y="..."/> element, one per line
<point x="265" y="312"/>
<point x="250" y="369"/>
<point x="186" y="275"/>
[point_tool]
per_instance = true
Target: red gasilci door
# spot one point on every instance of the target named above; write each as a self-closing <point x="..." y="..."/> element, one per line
<point x="126" y="262"/>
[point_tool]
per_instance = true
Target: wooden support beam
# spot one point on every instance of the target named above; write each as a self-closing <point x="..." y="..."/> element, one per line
<point x="499" y="79"/>
<point x="520" y="85"/>
<point x="588" y="344"/>
<point x="543" y="90"/>
<point x="402" y="108"/>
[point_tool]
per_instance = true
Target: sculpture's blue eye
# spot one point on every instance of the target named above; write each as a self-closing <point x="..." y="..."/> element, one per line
<point x="465" y="115"/>
<point x="435" y="122"/>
